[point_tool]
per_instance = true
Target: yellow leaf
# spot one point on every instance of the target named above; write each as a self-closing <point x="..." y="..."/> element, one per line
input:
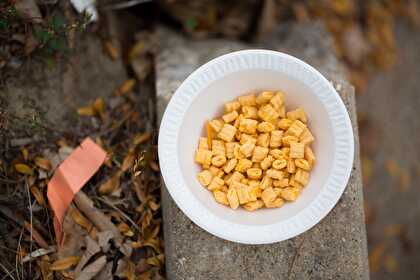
<point x="25" y="153"/>
<point x="79" y="218"/>
<point x="43" y="163"/>
<point x="38" y="195"/>
<point x="153" y="261"/>
<point x="127" y="86"/>
<point x="136" y="50"/>
<point x="111" y="50"/>
<point x="129" y="271"/>
<point x="65" y="263"/>
<point x="110" y="185"/>
<point x="87" y="111"/>
<point x="23" y="168"/>
<point x="99" y="105"/>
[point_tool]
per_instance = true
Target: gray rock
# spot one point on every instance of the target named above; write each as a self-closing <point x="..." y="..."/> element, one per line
<point x="333" y="249"/>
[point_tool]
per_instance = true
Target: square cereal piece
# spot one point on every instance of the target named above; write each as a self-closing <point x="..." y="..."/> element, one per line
<point x="216" y="183"/>
<point x="259" y="154"/>
<point x="289" y="139"/>
<point x="274" y="174"/>
<point x="266" y="163"/>
<point x="227" y="132"/>
<point x="284" y="124"/>
<point x="242" y="192"/>
<point x="254" y="173"/>
<point x="264" y="97"/>
<point x="277" y="101"/>
<point x="294" y="183"/>
<point x="232" y="198"/>
<point x="243" y="165"/>
<point x="253" y="205"/>
<point x="291" y="167"/>
<point x="216" y="171"/>
<point x="297" y="150"/>
<point x="218" y="160"/>
<point x="309" y="156"/>
<point x="218" y="148"/>
<point x="216" y="124"/>
<point x="203" y="157"/>
<point x="220" y="197"/>
<point x="263" y="140"/>
<point x="290" y="193"/>
<point x="268" y="113"/>
<point x="205" y="177"/>
<point x="276" y="203"/>
<point x="302" y="176"/>
<point x="238" y="120"/>
<point x="253" y="192"/>
<point x="303" y="164"/>
<point x="230" y="147"/>
<point x="235" y="177"/>
<point x="230" y="117"/>
<point x="266" y="182"/>
<point x="247" y="138"/>
<point x="254" y="183"/>
<point x="268" y="195"/>
<point x="230" y="165"/>
<point x="202" y="144"/>
<point x="276" y="138"/>
<point x="232" y="106"/>
<point x="298" y="114"/>
<point x="250" y="112"/>
<point x="265" y="127"/>
<point x="247" y="100"/>
<point x="306" y="137"/>
<point x="247" y="149"/>
<point x="248" y="126"/>
<point x="296" y="129"/>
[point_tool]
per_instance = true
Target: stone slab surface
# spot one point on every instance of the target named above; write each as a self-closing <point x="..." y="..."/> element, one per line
<point x="333" y="249"/>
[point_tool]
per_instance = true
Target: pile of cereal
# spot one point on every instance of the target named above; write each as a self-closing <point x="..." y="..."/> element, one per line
<point x="256" y="155"/>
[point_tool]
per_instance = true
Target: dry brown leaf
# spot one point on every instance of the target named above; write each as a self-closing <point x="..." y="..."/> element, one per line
<point x="128" y="162"/>
<point x="405" y="180"/>
<point x="140" y="138"/>
<point x="110" y="185"/>
<point x="43" y="163"/>
<point x="154" y="166"/>
<point x="153" y="205"/>
<point x="87" y="111"/>
<point x="147" y="218"/>
<point x="375" y="257"/>
<point x="24" y="169"/>
<point x="93" y="233"/>
<point x="153" y="261"/>
<point x="25" y="153"/>
<point x="126" y="87"/>
<point x="153" y="243"/>
<point x="92" y="269"/>
<point x="129" y="271"/>
<point x="125" y="229"/>
<point x="80" y="219"/>
<point x="111" y="50"/>
<point x="99" y="105"/>
<point x="36" y="235"/>
<point x="393" y="230"/>
<point x="44" y="265"/>
<point x="65" y="263"/>
<point x="136" y="50"/>
<point x="391" y="264"/>
<point x="39" y="197"/>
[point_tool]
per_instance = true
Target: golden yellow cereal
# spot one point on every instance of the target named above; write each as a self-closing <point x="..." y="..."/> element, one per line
<point x="266" y="163"/>
<point x="232" y="198"/>
<point x="236" y="177"/>
<point x="216" y="171"/>
<point x="247" y="100"/>
<point x="294" y="183"/>
<point x="265" y="127"/>
<point x="216" y="125"/>
<point x="284" y="124"/>
<point x="297" y="150"/>
<point x="205" y="177"/>
<point x="202" y="144"/>
<point x="247" y="138"/>
<point x="278" y="202"/>
<point x="259" y="154"/>
<point x="296" y="129"/>
<point x="254" y="173"/>
<point x="277" y="153"/>
<point x="218" y="148"/>
<point x="291" y="167"/>
<point x="218" y="160"/>
<point x="237" y="152"/>
<point x="254" y="183"/>
<point x="241" y="191"/>
<point x="224" y="189"/>
<point x="283" y="183"/>
<point x="263" y="140"/>
<point x="247" y="149"/>
<point x="275" y="174"/>
<point x="264" y="97"/>
<point x="203" y="157"/>
<point x="268" y="195"/>
<point x="298" y="114"/>
<point x="306" y="137"/>
<point x="216" y="183"/>
<point x="252" y="193"/>
<point x="230" y="147"/>
<point x="286" y="152"/>
<point x="266" y="182"/>
<point x="250" y="112"/>
<point x="243" y="165"/>
<point x="230" y="165"/>
<point x="248" y="126"/>
<point x="256" y="164"/>
<point x="230" y="117"/>
<point x="276" y="138"/>
<point x="277" y="101"/>
<point x="244" y="181"/>
<point x="309" y="156"/>
<point x="227" y="132"/>
<point x="268" y="113"/>
<point x="238" y="120"/>
<point x="302" y="163"/>
<point x="279" y="163"/>
<point x="220" y="197"/>
<point x="232" y="106"/>
<point x="227" y="177"/>
<point x="253" y="205"/>
<point x="282" y="112"/>
<point x="302" y="176"/>
<point x="289" y="139"/>
<point x="290" y="193"/>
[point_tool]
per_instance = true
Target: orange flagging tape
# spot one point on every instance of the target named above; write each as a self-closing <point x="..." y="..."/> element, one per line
<point x="70" y="177"/>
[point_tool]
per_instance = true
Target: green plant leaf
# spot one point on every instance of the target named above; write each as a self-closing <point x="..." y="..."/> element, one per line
<point x="42" y="35"/>
<point x="57" y="44"/>
<point x="57" y="22"/>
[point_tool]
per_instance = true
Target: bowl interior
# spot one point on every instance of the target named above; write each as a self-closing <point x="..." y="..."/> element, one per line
<point x="208" y="104"/>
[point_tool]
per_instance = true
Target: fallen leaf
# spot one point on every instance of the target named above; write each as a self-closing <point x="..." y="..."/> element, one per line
<point x="92" y="248"/>
<point x="405" y="180"/>
<point x="65" y="263"/>
<point x="99" y="105"/>
<point x="153" y="205"/>
<point x="128" y="162"/>
<point x="129" y="271"/>
<point x="79" y="218"/>
<point x="36" y="235"/>
<point x="44" y="266"/>
<point x="136" y="50"/>
<point x="153" y="243"/>
<point x="25" y="153"/>
<point x="392" y="167"/>
<point x="111" y="50"/>
<point x="110" y="185"/>
<point x="391" y="264"/>
<point x="126" y="87"/>
<point x="24" y="169"/>
<point x="153" y="261"/>
<point x="140" y="138"/>
<point x="104" y="237"/>
<point x="375" y="257"/>
<point x="125" y="229"/>
<point x="92" y="269"/>
<point x="39" y="197"/>
<point x="154" y="166"/>
<point x="393" y="230"/>
<point x="43" y="163"/>
<point x="367" y="170"/>
<point x="87" y="111"/>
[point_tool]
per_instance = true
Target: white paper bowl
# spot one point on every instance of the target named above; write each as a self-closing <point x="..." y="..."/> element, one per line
<point x="201" y="97"/>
